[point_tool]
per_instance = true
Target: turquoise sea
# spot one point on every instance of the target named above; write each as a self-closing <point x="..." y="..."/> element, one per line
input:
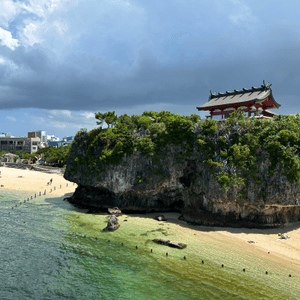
<point x="43" y="257"/>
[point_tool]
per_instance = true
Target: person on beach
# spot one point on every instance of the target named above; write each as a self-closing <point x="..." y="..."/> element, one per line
<point x="50" y="181"/>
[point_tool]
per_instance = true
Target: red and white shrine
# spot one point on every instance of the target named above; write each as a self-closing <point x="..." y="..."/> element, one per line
<point x="254" y="102"/>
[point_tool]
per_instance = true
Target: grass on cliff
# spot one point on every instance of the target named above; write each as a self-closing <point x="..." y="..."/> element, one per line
<point x="231" y="148"/>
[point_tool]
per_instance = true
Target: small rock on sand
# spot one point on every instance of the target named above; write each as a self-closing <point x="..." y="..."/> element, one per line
<point x="112" y="224"/>
<point x="114" y="211"/>
<point x="170" y="243"/>
<point x="282" y="236"/>
<point x="160" y="218"/>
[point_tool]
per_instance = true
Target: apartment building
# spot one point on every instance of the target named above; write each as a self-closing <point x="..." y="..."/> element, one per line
<point x="24" y="144"/>
<point x="42" y="135"/>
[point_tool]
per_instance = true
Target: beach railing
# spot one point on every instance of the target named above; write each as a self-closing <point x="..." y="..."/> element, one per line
<point x="40" y="193"/>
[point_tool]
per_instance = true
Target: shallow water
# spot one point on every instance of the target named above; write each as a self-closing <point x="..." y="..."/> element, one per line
<point x="41" y="258"/>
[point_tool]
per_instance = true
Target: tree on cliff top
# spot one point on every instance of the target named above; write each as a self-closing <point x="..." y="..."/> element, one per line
<point x="109" y="118"/>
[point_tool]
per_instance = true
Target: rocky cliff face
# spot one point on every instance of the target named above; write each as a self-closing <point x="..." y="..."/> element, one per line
<point x="187" y="185"/>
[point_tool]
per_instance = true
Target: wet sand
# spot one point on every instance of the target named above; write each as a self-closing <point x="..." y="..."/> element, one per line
<point x="214" y="245"/>
<point x="229" y="246"/>
<point x="286" y="252"/>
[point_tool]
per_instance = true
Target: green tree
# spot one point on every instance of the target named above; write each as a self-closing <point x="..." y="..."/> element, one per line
<point x="194" y="118"/>
<point x="56" y="155"/>
<point x="146" y="146"/>
<point x="153" y="115"/>
<point x="235" y="116"/>
<point x="125" y="123"/>
<point x="109" y="118"/>
<point x="141" y="121"/>
<point x="24" y="155"/>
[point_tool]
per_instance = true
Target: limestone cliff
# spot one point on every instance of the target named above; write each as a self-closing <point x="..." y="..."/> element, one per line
<point x="186" y="185"/>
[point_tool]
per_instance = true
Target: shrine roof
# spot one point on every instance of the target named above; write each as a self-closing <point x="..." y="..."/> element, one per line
<point x="240" y="97"/>
<point x="270" y="112"/>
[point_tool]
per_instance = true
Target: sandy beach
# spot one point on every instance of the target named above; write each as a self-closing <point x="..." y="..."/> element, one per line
<point x="266" y="244"/>
<point x="285" y="252"/>
<point x="35" y="182"/>
<point x="216" y="245"/>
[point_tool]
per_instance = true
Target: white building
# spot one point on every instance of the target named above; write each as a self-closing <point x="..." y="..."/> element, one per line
<point x="5" y="135"/>
<point x="52" y="138"/>
<point x="42" y="135"/>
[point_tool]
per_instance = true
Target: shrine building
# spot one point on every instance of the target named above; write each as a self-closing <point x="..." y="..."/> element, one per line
<point x="255" y="102"/>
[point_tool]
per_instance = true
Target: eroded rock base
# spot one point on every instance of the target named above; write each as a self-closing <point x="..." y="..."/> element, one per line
<point x="233" y="215"/>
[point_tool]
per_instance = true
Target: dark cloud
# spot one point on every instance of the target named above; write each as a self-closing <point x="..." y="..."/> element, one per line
<point x="153" y="52"/>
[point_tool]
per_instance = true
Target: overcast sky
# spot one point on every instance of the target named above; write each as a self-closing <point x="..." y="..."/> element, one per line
<point x="63" y="60"/>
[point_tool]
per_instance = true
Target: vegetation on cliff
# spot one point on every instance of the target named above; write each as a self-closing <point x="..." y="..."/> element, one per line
<point x="230" y="148"/>
<point x="56" y="156"/>
<point x="114" y="142"/>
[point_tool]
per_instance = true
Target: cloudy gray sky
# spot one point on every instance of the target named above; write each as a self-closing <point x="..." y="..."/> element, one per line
<point x="63" y="60"/>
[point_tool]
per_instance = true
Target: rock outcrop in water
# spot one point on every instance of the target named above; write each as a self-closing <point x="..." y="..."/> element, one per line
<point x="187" y="185"/>
<point x="112" y="224"/>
